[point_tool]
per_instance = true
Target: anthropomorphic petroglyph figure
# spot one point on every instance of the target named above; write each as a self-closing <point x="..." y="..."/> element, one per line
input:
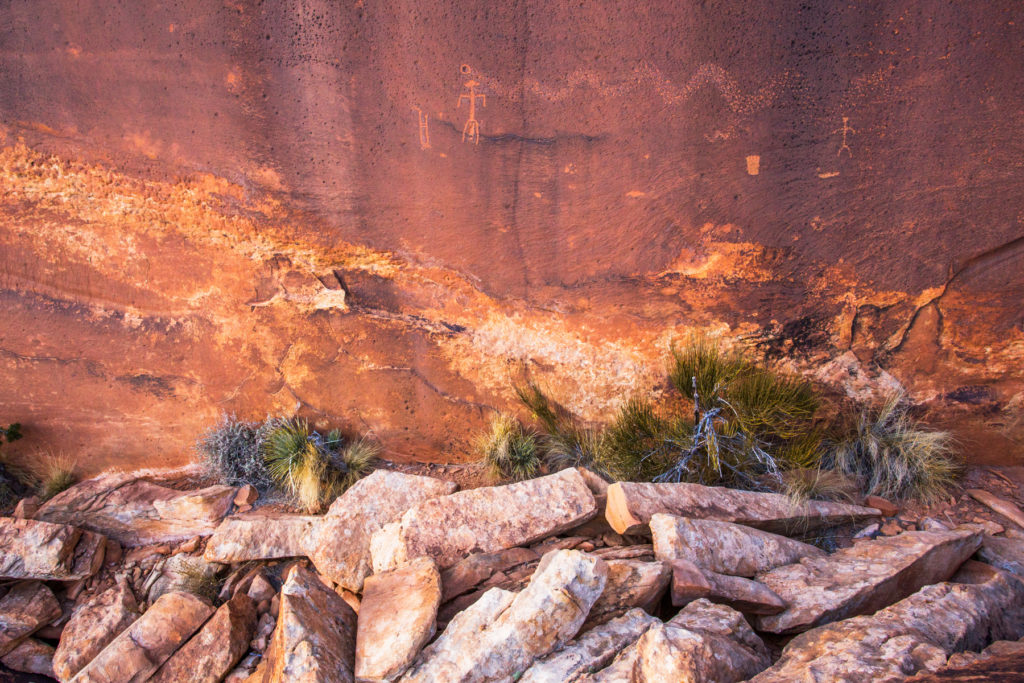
<point x="845" y="130"/>
<point x="424" y="119"/>
<point x="471" y="130"/>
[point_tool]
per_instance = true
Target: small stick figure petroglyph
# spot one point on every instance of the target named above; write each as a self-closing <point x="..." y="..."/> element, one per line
<point x="424" y="119"/>
<point x="845" y="130"/>
<point x="472" y="128"/>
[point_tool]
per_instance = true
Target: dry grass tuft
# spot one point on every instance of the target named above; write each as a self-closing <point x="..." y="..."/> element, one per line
<point x="508" y="451"/>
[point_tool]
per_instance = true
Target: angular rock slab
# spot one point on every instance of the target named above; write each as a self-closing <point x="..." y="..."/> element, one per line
<point x="723" y="547"/>
<point x="704" y="642"/>
<point x="503" y="633"/>
<point x="91" y="628"/>
<point x="470" y="572"/>
<point x="485" y="520"/>
<point x="216" y="648"/>
<point x="260" y="536"/>
<point x="31" y="656"/>
<point x="48" y="552"/>
<point x="138" y="651"/>
<point x="27" y="607"/>
<point x="864" y="578"/>
<point x="396" y="618"/>
<point x="137" y="512"/>
<point x="631" y="505"/>
<point x="591" y="651"/>
<point x="1004" y="553"/>
<point x="314" y="640"/>
<point x="916" y="634"/>
<point x="690" y="582"/>
<point x="340" y="547"/>
<point x="630" y="583"/>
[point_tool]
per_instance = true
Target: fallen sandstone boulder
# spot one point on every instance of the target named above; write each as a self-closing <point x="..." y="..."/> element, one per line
<point x="485" y="520"/>
<point x="260" y="536"/>
<point x="630" y="584"/>
<point x="31" y="656"/>
<point x="137" y="512"/>
<point x="690" y="582"/>
<point x="315" y="636"/>
<point x="503" y="633"/>
<point x="138" y="651"/>
<point x="864" y="578"/>
<point x="469" y="572"/>
<point x="1005" y="553"/>
<point x="1000" y="662"/>
<point x="591" y="651"/>
<point x="340" y="544"/>
<point x="31" y="549"/>
<point x="212" y="652"/>
<point x="917" y="633"/>
<point x="91" y="628"/>
<point x="723" y="547"/>
<point x="26" y="608"/>
<point x="704" y="642"/>
<point x="631" y="505"/>
<point x="396" y="618"/>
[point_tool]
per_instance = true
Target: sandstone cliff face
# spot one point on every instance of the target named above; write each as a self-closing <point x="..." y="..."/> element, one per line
<point x="270" y="207"/>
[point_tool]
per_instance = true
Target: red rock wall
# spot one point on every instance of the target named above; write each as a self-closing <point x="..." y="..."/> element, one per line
<point x="263" y="207"/>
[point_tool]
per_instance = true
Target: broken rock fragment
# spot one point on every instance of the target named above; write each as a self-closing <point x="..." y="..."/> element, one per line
<point x="690" y="582"/>
<point x="471" y="571"/>
<point x="723" y="547"/>
<point x="631" y="505"/>
<point x="49" y="552"/>
<point x="631" y="583"/>
<point x="26" y="608"/>
<point x="864" y="578"/>
<point x="503" y="633"/>
<point x="31" y="656"/>
<point x="91" y="628"/>
<point x="396" y="618"/>
<point x="485" y="520"/>
<point x="139" y="650"/>
<point x="260" y="536"/>
<point x="704" y="642"/>
<point x="340" y="546"/>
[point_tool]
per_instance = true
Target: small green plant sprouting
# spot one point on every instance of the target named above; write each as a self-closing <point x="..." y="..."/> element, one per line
<point x="509" y="451"/>
<point x="894" y="456"/>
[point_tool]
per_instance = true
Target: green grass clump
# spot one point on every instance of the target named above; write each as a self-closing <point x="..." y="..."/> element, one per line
<point x="895" y="456"/>
<point x="508" y="451"/>
<point x="565" y="441"/>
<point x="354" y="460"/>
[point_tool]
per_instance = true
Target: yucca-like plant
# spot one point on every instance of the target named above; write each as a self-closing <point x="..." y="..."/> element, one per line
<point x="354" y="460"/>
<point x="508" y="451"/>
<point x="298" y="465"/>
<point x="895" y="456"/>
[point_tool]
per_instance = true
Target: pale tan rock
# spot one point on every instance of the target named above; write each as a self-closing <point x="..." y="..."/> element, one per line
<point x="315" y="636"/>
<point x="260" y="536"/>
<point x="340" y="547"/>
<point x="723" y="547"/>
<point x="690" y="582"/>
<point x="471" y="571"/>
<point x="591" y="651"/>
<point x="216" y="648"/>
<point x="136" y="512"/>
<point x="1000" y="505"/>
<point x="31" y="656"/>
<point x="915" y="634"/>
<point x="864" y="578"/>
<point x="30" y="549"/>
<point x="486" y="520"/>
<point x="396" y="618"/>
<point x="704" y="642"/>
<point x="138" y="651"/>
<point x="630" y="583"/>
<point x="91" y="628"/>
<point x="503" y="633"/>
<point x="631" y="505"/>
<point x="27" y="607"/>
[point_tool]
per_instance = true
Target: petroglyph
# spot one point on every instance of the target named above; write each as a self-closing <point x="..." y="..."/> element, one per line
<point x="753" y="164"/>
<point x="424" y="127"/>
<point x="471" y="130"/>
<point x="845" y="130"/>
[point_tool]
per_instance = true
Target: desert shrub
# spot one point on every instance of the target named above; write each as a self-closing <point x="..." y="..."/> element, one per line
<point x="565" y="441"/>
<point x="816" y="483"/>
<point x="894" y="455"/>
<point x="508" y="451"/>
<point x="354" y="460"/>
<point x="54" y="474"/>
<point x="232" y="451"/>
<point x="198" y="578"/>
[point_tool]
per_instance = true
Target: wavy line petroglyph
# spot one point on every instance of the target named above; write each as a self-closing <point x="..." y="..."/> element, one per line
<point x="646" y="75"/>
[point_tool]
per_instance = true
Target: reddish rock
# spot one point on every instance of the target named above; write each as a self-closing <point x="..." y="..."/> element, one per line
<point x="864" y="578"/>
<point x="631" y="506"/>
<point x="26" y="508"/>
<point x="30" y="656"/>
<point x="246" y="495"/>
<point x="1000" y="505"/>
<point x="1005" y="553"/>
<point x="53" y="552"/>
<point x="471" y="571"/>
<point x="396" y="618"/>
<point x="487" y="520"/>
<point x="690" y="582"/>
<point x="340" y="543"/>
<point x="887" y="508"/>
<point x="138" y="651"/>
<point x="136" y="512"/>
<point x="24" y="609"/>
<point x="630" y="584"/>
<point x="91" y="628"/>
<point x="215" y="649"/>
